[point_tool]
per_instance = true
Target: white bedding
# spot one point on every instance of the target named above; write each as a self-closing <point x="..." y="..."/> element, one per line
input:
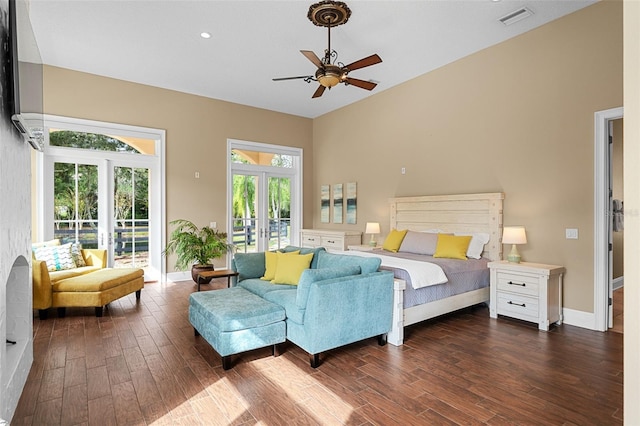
<point x="422" y="274"/>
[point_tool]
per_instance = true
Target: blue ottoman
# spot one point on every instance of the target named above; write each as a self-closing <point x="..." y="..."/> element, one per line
<point x="234" y="320"/>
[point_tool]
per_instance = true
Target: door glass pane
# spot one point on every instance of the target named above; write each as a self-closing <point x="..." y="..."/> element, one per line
<point x="131" y="217"/>
<point x="75" y="201"/>
<point x="279" y="212"/>
<point x="98" y="142"/>
<point x="261" y="158"/>
<point x="244" y="213"/>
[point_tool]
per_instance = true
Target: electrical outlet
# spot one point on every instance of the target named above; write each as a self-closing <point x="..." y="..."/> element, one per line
<point x="213" y="225"/>
<point x="197" y="175"/>
<point x="571" y="233"/>
<point x="403" y="170"/>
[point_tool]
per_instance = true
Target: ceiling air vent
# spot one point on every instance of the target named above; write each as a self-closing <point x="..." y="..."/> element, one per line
<point x="515" y="16"/>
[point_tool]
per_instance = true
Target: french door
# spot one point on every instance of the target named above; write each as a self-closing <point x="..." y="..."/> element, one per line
<point x="105" y="193"/>
<point x="264" y="196"/>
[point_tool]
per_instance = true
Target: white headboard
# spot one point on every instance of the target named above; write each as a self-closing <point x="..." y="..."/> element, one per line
<point x="452" y="213"/>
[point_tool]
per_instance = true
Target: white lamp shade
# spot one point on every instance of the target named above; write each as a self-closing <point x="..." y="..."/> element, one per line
<point x="372" y="228"/>
<point x="514" y="235"/>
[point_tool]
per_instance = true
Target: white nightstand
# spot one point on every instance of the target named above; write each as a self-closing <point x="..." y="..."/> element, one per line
<point x="527" y="291"/>
<point x="364" y="248"/>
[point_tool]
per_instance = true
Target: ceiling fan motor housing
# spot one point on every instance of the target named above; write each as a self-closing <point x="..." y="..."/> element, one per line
<point x="329" y="13"/>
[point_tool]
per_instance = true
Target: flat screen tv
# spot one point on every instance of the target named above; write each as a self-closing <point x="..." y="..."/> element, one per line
<point x="26" y="70"/>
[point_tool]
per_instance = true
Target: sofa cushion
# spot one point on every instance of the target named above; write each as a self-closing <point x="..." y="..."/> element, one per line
<point x="306" y="250"/>
<point x="58" y="258"/>
<point x="290" y="267"/>
<point x="313" y="275"/>
<point x="331" y="260"/>
<point x="249" y="265"/>
<point x="56" y="276"/>
<point x="271" y="263"/>
<point x="233" y="309"/>
<point x="287" y="299"/>
<point x="260" y="287"/>
<point x="100" y="280"/>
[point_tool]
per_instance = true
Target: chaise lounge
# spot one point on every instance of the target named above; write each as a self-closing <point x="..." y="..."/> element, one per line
<point x="93" y="285"/>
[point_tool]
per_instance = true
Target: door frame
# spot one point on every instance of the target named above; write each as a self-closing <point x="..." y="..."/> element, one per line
<point x="157" y="202"/>
<point x="295" y="174"/>
<point x="602" y="262"/>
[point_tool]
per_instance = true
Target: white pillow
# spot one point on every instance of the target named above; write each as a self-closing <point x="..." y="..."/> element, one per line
<point x="58" y="258"/>
<point x="476" y="246"/>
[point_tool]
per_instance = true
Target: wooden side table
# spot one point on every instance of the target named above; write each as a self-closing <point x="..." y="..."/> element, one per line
<point x="217" y="273"/>
<point x="527" y="291"/>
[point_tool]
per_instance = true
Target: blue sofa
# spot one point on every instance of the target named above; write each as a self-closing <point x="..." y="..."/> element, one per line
<point x="341" y="299"/>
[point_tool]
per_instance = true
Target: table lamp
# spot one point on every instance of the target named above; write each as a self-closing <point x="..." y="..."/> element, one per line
<point x="514" y="235"/>
<point x="372" y="228"/>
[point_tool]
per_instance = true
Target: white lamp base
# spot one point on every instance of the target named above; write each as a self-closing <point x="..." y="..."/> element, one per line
<point x="514" y="256"/>
<point x="372" y="243"/>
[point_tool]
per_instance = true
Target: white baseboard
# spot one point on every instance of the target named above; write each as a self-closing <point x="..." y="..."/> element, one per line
<point x="579" y="318"/>
<point x="618" y="282"/>
<point x="179" y="276"/>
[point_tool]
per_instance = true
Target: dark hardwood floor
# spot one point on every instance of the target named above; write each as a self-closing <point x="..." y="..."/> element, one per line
<point x="141" y="364"/>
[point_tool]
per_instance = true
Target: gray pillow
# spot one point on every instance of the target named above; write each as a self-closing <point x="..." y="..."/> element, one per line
<point x="419" y="243"/>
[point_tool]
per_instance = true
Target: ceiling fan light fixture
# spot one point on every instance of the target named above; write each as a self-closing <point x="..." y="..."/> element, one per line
<point x="330" y="76"/>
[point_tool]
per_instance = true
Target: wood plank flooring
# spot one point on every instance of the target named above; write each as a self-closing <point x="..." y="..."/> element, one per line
<point x="140" y="364"/>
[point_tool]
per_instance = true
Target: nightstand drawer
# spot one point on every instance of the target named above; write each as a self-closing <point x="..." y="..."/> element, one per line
<point x="518" y="283"/>
<point x="332" y="243"/>
<point x="517" y="306"/>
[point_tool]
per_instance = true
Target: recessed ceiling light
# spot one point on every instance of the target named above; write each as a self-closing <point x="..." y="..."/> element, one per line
<point x="205" y="34"/>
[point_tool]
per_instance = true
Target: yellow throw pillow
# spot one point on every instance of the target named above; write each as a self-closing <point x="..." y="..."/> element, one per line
<point x="452" y="246"/>
<point x="291" y="267"/>
<point x="394" y="240"/>
<point x="271" y="264"/>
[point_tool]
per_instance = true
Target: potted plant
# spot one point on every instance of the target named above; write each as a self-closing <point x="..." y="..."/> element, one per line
<point x="196" y="247"/>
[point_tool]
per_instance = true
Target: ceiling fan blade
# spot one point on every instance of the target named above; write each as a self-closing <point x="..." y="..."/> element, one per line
<point x="291" y="78"/>
<point x="360" y="83"/>
<point x="364" y="62"/>
<point x="313" y="58"/>
<point x="319" y="91"/>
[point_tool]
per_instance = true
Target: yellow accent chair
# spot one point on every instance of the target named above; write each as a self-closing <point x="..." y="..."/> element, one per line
<point x="93" y="285"/>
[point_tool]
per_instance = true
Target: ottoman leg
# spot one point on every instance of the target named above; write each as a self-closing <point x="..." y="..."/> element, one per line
<point x="275" y="350"/>
<point x="62" y="312"/>
<point x="226" y="362"/>
<point x="138" y="294"/>
<point x="196" y="332"/>
<point x="43" y="314"/>
<point x="98" y="311"/>
<point x="314" y="360"/>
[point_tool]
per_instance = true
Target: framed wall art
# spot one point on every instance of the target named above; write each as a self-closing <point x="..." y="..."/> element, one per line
<point x="325" y="202"/>
<point x="352" y="202"/>
<point x="337" y="203"/>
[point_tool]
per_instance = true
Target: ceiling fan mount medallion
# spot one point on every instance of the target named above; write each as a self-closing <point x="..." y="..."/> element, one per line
<point x="329" y="13"/>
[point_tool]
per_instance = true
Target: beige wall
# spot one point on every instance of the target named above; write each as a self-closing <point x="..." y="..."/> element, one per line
<point x="197" y="129"/>
<point x="516" y="118"/>
<point x="632" y="207"/>
<point x="617" y="185"/>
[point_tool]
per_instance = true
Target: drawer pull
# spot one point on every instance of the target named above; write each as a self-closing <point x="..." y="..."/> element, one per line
<point x="519" y="284"/>
<point x="331" y="241"/>
<point x="517" y="304"/>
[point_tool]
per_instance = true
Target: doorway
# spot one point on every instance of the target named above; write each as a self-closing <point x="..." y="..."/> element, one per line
<point x="101" y="185"/>
<point x="607" y="184"/>
<point x="264" y="196"/>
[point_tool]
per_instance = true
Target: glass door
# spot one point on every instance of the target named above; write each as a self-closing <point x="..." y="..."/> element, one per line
<point x="103" y="192"/>
<point x="261" y="212"/>
<point x="264" y="196"/>
<point x="130" y="225"/>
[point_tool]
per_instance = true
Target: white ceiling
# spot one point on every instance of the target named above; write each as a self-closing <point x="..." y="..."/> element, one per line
<point x="157" y="42"/>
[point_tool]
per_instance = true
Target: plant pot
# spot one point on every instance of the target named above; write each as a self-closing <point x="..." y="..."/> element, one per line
<point x="196" y="269"/>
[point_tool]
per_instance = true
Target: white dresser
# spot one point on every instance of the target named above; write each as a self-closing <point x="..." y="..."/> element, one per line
<point x="527" y="291"/>
<point x="331" y="240"/>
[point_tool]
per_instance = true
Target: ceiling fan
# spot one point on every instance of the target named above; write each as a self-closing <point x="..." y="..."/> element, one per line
<point x="329" y="13"/>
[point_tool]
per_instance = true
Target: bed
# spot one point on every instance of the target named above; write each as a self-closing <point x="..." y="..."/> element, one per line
<point x="458" y="214"/>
